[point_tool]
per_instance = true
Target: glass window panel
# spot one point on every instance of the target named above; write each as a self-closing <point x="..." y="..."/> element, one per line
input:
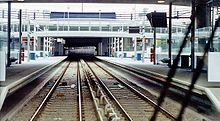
<point x="74" y="28"/>
<point x="84" y="28"/>
<point x="116" y="28"/>
<point x="94" y="28"/>
<point x="52" y="28"/>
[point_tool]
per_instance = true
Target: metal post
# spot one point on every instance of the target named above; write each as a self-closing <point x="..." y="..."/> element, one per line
<point x="115" y="46"/>
<point x="143" y="49"/>
<point x="143" y="45"/>
<point x="101" y="48"/>
<point x="122" y="47"/>
<point x="47" y="39"/>
<point x="170" y="35"/>
<point x="135" y="48"/>
<point x="34" y="44"/>
<point x="28" y="40"/>
<point x="118" y="41"/>
<point x="154" y="45"/>
<point x="44" y="46"/>
<point x="193" y="38"/>
<point x="9" y="34"/>
<point x="20" y="34"/>
<point x="212" y="24"/>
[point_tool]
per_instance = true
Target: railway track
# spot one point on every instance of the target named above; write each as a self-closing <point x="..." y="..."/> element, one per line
<point x="130" y="103"/>
<point x="89" y="91"/>
<point x="69" y="99"/>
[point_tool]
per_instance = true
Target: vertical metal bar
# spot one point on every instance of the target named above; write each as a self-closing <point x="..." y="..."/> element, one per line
<point x="122" y="47"/>
<point x="35" y="38"/>
<point x="170" y="35"/>
<point x="9" y="34"/>
<point x="44" y="40"/>
<point x="118" y="46"/>
<point x="212" y="24"/>
<point x="47" y="41"/>
<point x="20" y="34"/>
<point x="135" y="48"/>
<point x="28" y="39"/>
<point x="193" y="37"/>
<point x="143" y="44"/>
<point x="115" y="48"/>
<point x="154" y="45"/>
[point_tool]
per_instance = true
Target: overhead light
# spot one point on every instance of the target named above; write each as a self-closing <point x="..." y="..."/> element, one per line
<point x="20" y="0"/>
<point x="161" y="1"/>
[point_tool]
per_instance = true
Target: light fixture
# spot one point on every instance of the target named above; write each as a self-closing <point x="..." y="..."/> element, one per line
<point x="20" y="0"/>
<point x="161" y="1"/>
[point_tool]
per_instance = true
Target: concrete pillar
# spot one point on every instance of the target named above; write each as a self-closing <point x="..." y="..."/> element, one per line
<point x="2" y="66"/>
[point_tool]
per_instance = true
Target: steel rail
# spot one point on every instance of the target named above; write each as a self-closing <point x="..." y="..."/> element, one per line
<point x="126" y="115"/>
<point x="91" y="91"/>
<point x="165" y="112"/>
<point x="49" y="94"/>
<point x="79" y="92"/>
<point x="155" y="78"/>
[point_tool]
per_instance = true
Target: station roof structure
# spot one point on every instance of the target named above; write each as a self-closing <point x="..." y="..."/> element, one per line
<point x="176" y="2"/>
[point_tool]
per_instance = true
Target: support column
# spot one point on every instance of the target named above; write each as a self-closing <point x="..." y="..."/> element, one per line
<point x="203" y="19"/>
<point x="193" y="38"/>
<point x="44" y="40"/>
<point x="143" y="49"/>
<point x="101" y="48"/>
<point x="114" y="46"/>
<point x="20" y="34"/>
<point x="122" y="47"/>
<point x="9" y="34"/>
<point x="34" y="43"/>
<point x="170" y="35"/>
<point x="47" y="39"/>
<point x="135" y="47"/>
<point x="154" y="45"/>
<point x="118" y="46"/>
<point x="203" y="16"/>
<point x="110" y="46"/>
<point x="28" y="40"/>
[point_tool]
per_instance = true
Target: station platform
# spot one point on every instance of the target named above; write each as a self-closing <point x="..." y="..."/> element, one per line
<point x="18" y="75"/>
<point x="182" y="78"/>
